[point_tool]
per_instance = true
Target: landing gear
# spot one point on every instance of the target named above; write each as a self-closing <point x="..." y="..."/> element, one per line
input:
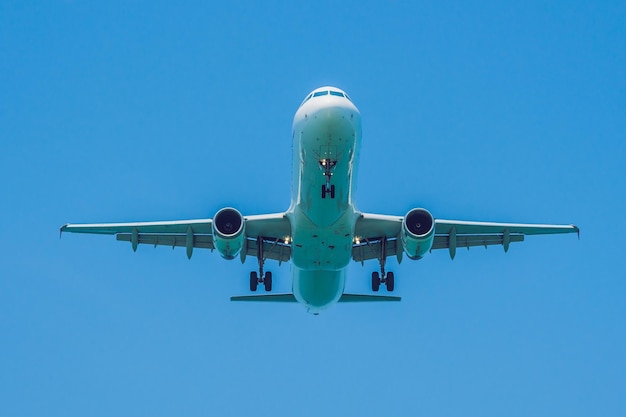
<point x="383" y="278"/>
<point x="327" y="165"/>
<point x="267" y="281"/>
<point x="260" y="278"/>
<point x="375" y="281"/>
<point x="328" y="189"/>
<point x="254" y="281"/>
<point x="388" y="279"/>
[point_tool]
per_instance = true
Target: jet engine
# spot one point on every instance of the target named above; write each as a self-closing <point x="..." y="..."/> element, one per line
<point x="228" y="232"/>
<point x="418" y="232"/>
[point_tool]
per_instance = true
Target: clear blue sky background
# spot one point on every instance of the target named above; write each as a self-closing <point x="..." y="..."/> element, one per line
<point x="125" y="111"/>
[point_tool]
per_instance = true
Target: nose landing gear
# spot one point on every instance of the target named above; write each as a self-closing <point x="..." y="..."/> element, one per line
<point x="327" y="165"/>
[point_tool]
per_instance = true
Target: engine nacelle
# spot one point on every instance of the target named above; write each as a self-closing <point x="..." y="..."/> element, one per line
<point x="228" y="232"/>
<point x="418" y="232"/>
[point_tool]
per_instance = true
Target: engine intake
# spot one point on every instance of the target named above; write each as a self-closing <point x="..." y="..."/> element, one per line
<point x="228" y="232"/>
<point x="418" y="232"/>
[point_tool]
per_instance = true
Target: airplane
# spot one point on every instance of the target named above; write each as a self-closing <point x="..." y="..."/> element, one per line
<point x="322" y="230"/>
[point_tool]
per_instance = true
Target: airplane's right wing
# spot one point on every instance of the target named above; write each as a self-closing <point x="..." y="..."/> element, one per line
<point x="374" y="230"/>
<point x="270" y="230"/>
<point x="452" y="234"/>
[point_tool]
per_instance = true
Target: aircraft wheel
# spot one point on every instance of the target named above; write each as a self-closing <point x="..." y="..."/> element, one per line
<point x="390" y="281"/>
<point x="267" y="281"/>
<point x="254" y="280"/>
<point x="375" y="281"/>
<point x="332" y="191"/>
<point x="323" y="191"/>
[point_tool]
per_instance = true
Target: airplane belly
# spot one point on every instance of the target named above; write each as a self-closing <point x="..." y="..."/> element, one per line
<point x="322" y="214"/>
<point x="323" y="223"/>
<point x="322" y="248"/>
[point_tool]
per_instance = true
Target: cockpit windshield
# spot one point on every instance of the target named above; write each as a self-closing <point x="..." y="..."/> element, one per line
<point x="325" y="93"/>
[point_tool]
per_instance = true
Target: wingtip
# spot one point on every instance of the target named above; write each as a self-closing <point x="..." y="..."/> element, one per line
<point x="62" y="229"/>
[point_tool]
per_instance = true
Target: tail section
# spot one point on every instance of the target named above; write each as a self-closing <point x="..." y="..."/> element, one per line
<point x="290" y="298"/>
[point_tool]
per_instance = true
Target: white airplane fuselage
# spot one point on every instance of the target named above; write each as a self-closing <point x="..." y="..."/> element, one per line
<point x="326" y="143"/>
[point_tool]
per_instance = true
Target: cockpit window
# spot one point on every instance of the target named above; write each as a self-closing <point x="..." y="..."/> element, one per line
<point x="325" y="93"/>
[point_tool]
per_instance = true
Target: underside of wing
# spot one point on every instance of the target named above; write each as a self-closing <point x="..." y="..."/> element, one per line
<point x="379" y="235"/>
<point x="376" y="234"/>
<point x="186" y="233"/>
<point x="267" y="234"/>
<point x="452" y="234"/>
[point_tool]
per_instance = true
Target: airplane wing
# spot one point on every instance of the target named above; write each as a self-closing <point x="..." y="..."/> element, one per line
<point x="269" y="229"/>
<point x="372" y="230"/>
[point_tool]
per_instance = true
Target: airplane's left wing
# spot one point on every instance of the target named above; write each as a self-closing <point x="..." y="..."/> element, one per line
<point x="268" y="229"/>
<point x="372" y="231"/>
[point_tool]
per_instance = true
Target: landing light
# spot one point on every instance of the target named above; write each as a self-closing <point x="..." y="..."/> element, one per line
<point x="357" y="240"/>
<point x="287" y="239"/>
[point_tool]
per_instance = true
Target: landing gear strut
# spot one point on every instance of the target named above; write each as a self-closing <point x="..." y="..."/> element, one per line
<point x="260" y="278"/>
<point x="383" y="278"/>
<point x="327" y="165"/>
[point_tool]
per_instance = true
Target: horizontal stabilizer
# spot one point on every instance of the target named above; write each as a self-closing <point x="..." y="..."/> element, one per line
<point x="277" y="298"/>
<point x="358" y="298"/>
<point x="290" y="298"/>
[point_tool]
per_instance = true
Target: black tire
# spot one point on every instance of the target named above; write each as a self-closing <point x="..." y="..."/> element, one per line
<point x="267" y="281"/>
<point x="323" y="191"/>
<point x="375" y="281"/>
<point x="254" y="280"/>
<point x="390" y="281"/>
<point x="332" y="191"/>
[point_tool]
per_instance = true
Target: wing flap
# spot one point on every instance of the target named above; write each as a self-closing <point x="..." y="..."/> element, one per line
<point x="466" y="241"/>
<point x="371" y="249"/>
<point x="199" y="241"/>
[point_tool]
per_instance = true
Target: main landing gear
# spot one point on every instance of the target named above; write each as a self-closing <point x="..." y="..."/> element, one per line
<point x="388" y="279"/>
<point x="266" y="280"/>
<point x="257" y="278"/>
<point x="383" y="278"/>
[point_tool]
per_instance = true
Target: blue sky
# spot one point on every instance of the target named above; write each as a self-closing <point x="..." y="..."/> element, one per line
<point x="153" y="111"/>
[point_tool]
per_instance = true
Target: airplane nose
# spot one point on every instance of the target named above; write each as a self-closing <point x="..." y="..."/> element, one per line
<point x="333" y="116"/>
